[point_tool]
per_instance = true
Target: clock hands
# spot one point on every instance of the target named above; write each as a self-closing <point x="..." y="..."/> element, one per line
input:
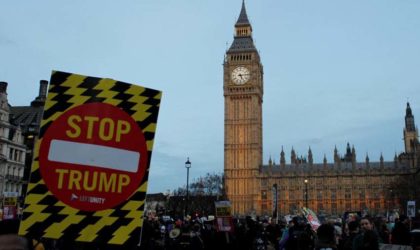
<point x="244" y="76"/>
<point x="240" y="75"/>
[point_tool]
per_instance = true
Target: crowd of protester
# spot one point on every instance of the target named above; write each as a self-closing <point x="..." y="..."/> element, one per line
<point x="250" y="233"/>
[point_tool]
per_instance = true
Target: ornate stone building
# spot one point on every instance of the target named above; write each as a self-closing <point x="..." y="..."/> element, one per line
<point x="28" y="118"/>
<point x="12" y="149"/>
<point x="330" y="188"/>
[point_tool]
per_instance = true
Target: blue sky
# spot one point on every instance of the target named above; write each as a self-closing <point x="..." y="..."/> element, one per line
<point x="335" y="71"/>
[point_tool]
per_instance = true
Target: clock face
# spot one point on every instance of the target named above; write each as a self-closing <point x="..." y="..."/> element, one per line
<point x="240" y="75"/>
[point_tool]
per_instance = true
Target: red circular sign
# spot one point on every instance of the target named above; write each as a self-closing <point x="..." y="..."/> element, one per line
<point x="93" y="156"/>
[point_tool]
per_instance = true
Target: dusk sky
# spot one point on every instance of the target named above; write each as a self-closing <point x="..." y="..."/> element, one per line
<point x="334" y="71"/>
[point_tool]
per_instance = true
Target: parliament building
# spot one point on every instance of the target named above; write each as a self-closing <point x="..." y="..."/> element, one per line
<point x="328" y="187"/>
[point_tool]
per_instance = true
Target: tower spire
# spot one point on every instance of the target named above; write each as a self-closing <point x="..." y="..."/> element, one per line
<point x="410" y="131"/>
<point x="409" y="119"/>
<point x="243" y="17"/>
<point x="367" y="160"/>
<point x="310" y="157"/>
<point x="336" y="156"/>
<point x="282" y="158"/>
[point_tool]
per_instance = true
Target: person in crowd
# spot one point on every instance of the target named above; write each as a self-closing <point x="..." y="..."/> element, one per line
<point x="353" y="227"/>
<point x="401" y="232"/>
<point x="274" y="233"/>
<point x="260" y="241"/>
<point x="384" y="233"/>
<point x="285" y="236"/>
<point x="345" y="234"/>
<point x="345" y="231"/>
<point x="251" y="227"/>
<point x="209" y="234"/>
<point x="309" y="237"/>
<point x="299" y="238"/>
<point x="196" y="240"/>
<point x="368" y="239"/>
<point x="294" y="233"/>
<point x="326" y="237"/>
<point x="390" y="224"/>
<point x="338" y="233"/>
<point x="10" y="240"/>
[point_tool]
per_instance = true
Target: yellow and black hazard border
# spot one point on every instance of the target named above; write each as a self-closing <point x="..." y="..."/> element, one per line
<point x="44" y="216"/>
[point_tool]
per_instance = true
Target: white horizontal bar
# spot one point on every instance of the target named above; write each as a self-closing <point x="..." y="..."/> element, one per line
<point x="93" y="155"/>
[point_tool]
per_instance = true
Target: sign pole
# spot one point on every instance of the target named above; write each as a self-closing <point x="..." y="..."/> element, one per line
<point x="141" y="236"/>
<point x="227" y="237"/>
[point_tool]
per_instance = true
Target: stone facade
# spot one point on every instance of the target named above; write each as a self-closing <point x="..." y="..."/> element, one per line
<point x="330" y="188"/>
<point x="12" y="149"/>
<point x="28" y="118"/>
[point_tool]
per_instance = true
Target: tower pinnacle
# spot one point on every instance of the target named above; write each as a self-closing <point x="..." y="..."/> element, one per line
<point x="243" y="17"/>
<point x="410" y="131"/>
<point x="409" y="119"/>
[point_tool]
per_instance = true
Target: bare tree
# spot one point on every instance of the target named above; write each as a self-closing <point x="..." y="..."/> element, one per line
<point x="404" y="188"/>
<point x="203" y="192"/>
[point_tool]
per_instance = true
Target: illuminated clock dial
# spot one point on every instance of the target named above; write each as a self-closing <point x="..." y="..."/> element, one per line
<point x="240" y="75"/>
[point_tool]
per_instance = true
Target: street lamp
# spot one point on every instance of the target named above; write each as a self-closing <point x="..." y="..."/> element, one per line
<point x="306" y="193"/>
<point x="187" y="165"/>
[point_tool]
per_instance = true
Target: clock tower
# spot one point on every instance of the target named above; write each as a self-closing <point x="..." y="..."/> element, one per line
<point x="243" y="92"/>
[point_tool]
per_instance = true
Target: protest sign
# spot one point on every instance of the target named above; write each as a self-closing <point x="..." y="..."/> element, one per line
<point x="90" y="170"/>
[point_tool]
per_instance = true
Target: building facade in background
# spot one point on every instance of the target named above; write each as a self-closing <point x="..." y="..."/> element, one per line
<point x="19" y="129"/>
<point x="12" y="150"/>
<point x="330" y="188"/>
<point x="28" y="118"/>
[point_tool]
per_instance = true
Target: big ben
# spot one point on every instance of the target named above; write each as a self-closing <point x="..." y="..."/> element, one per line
<point x="255" y="188"/>
<point x="243" y="93"/>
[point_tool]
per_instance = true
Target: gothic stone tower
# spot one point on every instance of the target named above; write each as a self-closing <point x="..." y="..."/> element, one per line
<point x="410" y="131"/>
<point x="411" y="136"/>
<point x="243" y="92"/>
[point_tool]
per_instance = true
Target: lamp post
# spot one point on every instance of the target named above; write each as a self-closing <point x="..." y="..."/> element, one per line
<point x="306" y="193"/>
<point x="187" y="165"/>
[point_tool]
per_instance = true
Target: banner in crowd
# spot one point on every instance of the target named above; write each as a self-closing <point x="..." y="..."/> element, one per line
<point x="90" y="170"/>
<point x="411" y="209"/>
<point x="10" y="205"/>
<point x="224" y="216"/>
<point x="223" y="208"/>
<point x="311" y="217"/>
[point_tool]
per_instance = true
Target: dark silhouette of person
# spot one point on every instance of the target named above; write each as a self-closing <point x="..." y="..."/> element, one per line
<point x="401" y="232"/>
